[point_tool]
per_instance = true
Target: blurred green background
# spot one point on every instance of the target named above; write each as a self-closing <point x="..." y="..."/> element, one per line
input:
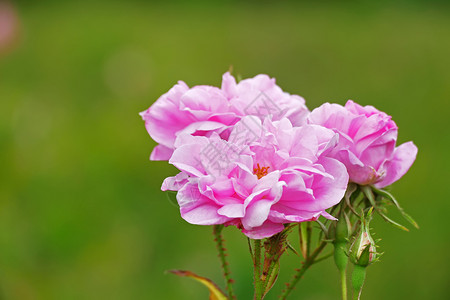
<point x="81" y="211"/>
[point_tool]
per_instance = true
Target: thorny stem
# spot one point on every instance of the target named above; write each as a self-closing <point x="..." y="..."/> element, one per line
<point x="257" y="269"/>
<point x="217" y="231"/>
<point x="274" y="247"/>
<point x="309" y="261"/>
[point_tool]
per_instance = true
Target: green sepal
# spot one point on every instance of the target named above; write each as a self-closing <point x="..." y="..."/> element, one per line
<point x="367" y="190"/>
<point x="391" y="198"/>
<point x="272" y="278"/>
<point x="392" y="222"/>
<point x="364" y="258"/>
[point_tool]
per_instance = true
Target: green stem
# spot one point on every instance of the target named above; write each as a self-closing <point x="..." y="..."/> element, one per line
<point x="340" y="245"/>
<point x="217" y="231"/>
<point x="358" y="278"/>
<point x="303" y="233"/>
<point x="298" y="275"/>
<point x="344" y="284"/>
<point x="341" y="261"/>
<point x="257" y="269"/>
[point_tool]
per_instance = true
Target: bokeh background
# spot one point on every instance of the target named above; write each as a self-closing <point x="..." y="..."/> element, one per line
<point x="81" y="211"/>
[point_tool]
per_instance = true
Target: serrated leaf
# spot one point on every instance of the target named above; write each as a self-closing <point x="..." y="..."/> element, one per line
<point x="214" y="291"/>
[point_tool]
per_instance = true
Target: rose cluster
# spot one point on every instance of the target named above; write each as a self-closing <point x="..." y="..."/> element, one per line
<point x="254" y="156"/>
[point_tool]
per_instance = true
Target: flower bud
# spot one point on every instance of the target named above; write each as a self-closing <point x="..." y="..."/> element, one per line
<point x="363" y="250"/>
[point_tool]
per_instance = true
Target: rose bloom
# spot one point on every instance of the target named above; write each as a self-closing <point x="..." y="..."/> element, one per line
<point x="202" y="110"/>
<point x="264" y="176"/>
<point x="367" y="142"/>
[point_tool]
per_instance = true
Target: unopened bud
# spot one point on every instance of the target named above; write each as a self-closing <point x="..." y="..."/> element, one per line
<point x="363" y="250"/>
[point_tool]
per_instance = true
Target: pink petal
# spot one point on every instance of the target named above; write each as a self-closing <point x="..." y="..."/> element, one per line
<point x="257" y="213"/>
<point x="203" y="214"/>
<point x="404" y="157"/>
<point x="357" y="170"/>
<point x="266" y="230"/>
<point x="198" y="209"/>
<point x="328" y="192"/>
<point x="175" y="183"/>
<point x="285" y="214"/>
<point x="187" y="157"/>
<point x="229" y="86"/>
<point x="201" y="126"/>
<point x="232" y="210"/>
<point x="161" y="152"/>
<point x="164" y="118"/>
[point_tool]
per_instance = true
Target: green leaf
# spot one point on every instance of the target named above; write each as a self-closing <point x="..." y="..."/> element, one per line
<point x="214" y="291"/>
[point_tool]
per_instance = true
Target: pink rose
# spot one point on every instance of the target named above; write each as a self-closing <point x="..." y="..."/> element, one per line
<point x="199" y="110"/>
<point x="367" y="142"/>
<point x="264" y="176"/>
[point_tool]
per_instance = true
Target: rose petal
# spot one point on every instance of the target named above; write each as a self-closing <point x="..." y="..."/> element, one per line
<point x="404" y="157"/>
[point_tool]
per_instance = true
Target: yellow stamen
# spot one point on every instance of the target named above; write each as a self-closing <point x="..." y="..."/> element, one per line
<point x="260" y="171"/>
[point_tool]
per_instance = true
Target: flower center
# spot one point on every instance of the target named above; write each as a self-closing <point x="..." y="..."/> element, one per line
<point x="260" y="171"/>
